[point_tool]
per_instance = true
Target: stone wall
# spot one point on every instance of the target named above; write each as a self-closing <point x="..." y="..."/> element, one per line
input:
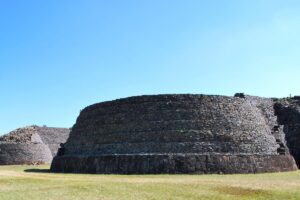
<point x="53" y="137"/>
<point x="173" y="164"/>
<point x="31" y="145"/>
<point x="14" y="154"/>
<point x="288" y="112"/>
<point x="220" y="131"/>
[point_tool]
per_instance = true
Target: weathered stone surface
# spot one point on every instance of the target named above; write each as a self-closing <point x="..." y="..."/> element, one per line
<point x="176" y="134"/>
<point x="173" y="163"/>
<point x="31" y="145"/>
<point x="15" y="154"/>
<point x="53" y="137"/>
<point x="288" y="113"/>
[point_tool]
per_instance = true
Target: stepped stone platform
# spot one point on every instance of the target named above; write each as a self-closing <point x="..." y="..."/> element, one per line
<point x="177" y="134"/>
<point x="31" y="145"/>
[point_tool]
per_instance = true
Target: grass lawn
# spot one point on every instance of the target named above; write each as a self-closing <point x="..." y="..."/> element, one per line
<point x="36" y="183"/>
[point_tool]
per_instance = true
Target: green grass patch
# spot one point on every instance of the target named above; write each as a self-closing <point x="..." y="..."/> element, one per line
<point x="36" y="183"/>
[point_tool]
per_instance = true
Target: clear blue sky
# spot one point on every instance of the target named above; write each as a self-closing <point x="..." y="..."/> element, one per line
<point x="57" y="57"/>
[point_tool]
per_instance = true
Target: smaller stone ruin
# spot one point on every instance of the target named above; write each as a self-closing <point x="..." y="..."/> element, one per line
<point x="31" y="145"/>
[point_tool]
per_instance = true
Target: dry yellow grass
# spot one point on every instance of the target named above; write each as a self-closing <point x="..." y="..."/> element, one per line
<point x="35" y="183"/>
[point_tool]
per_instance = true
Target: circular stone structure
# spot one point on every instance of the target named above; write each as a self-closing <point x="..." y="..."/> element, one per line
<point x="31" y="145"/>
<point x="176" y="134"/>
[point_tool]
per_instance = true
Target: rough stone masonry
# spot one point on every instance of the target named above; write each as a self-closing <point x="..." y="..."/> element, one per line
<point x="31" y="145"/>
<point x="183" y="134"/>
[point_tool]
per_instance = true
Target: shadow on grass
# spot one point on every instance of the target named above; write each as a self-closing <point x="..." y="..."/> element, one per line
<point x="37" y="170"/>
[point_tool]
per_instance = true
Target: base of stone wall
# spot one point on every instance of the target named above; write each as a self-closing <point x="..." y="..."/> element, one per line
<point x="173" y="164"/>
<point x="22" y="153"/>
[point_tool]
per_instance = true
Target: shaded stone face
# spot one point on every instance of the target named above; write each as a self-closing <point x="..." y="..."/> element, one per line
<point x="30" y="145"/>
<point x="176" y="134"/>
<point x="288" y="112"/>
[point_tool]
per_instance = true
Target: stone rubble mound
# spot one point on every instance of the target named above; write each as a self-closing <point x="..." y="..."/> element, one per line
<point x="20" y="135"/>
